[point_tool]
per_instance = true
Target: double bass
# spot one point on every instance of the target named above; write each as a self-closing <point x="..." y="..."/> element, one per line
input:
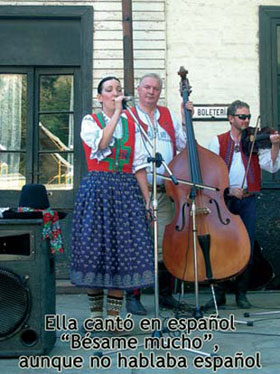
<point x="222" y="246"/>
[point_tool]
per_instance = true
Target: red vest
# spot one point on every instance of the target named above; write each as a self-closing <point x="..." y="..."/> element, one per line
<point x="165" y="121"/>
<point x="122" y="155"/>
<point x="226" y="152"/>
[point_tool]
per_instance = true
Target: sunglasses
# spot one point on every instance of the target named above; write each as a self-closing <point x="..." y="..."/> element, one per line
<point x="243" y="116"/>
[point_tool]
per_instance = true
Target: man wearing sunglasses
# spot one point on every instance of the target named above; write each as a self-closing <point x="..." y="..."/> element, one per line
<point x="241" y="197"/>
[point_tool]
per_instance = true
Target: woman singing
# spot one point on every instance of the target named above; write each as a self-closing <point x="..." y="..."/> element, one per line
<point x="112" y="246"/>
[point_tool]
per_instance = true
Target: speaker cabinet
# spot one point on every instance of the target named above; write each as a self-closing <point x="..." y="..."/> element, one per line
<point x="27" y="288"/>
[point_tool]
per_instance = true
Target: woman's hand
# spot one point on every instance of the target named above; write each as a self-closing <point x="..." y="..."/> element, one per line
<point x="149" y="212"/>
<point x="110" y="128"/>
<point x="118" y="103"/>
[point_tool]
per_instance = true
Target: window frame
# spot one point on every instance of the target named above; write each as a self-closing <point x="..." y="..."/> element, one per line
<point x="83" y="16"/>
<point x="269" y="19"/>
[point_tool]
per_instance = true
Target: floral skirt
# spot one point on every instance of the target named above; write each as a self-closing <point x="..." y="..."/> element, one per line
<point x="112" y="245"/>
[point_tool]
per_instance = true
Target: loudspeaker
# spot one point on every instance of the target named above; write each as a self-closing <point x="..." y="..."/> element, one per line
<point x="27" y="288"/>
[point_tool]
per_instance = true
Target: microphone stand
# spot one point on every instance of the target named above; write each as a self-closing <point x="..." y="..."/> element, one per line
<point x="156" y="160"/>
<point x="155" y="231"/>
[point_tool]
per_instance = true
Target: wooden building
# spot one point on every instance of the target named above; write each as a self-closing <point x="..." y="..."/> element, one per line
<point x="53" y="53"/>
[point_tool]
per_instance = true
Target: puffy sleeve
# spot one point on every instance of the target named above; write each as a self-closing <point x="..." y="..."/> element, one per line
<point x="214" y="145"/>
<point x="266" y="162"/>
<point x="140" y="154"/>
<point x="180" y="133"/>
<point x="92" y="135"/>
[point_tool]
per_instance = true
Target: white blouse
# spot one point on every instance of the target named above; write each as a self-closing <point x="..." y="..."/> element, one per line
<point x="92" y="135"/>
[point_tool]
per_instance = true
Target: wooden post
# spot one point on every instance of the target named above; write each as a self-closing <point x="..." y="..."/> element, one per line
<point x="128" y="48"/>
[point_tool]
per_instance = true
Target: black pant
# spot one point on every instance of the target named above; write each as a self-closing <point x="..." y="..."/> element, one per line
<point x="165" y="280"/>
<point x="246" y="208"/>
<point x="239" y="285"/>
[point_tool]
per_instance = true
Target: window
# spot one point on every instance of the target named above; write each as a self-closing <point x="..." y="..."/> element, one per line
<point x="270" y="78"/>
<point x="56" y="131"/>
<point x="47" y="138"/>
<point x="13" y="109"/>
<point x="54" y="128"/>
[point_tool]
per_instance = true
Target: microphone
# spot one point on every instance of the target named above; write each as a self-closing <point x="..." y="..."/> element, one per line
<point x="125" y="101"/>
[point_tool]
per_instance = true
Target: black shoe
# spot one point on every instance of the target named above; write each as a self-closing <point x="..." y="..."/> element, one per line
<point x="242" y="301"/>
<point x="169" y="302"/>
<point x="134" y="306"/>
<point x="220" y="300"/>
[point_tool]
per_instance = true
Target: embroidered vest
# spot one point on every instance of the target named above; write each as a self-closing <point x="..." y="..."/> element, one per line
<point x="226" y="152"/>
<point x="122" y="155"/>
<point x="165" y="121"/>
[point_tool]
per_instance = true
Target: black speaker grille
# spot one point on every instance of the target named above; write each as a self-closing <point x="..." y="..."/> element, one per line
<point x="14" y="303"/>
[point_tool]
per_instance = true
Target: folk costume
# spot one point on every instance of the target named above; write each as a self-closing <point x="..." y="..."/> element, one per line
<point x="170" y="138"/>
<point x="112" y="247"/>
<point x="237" y="161"/>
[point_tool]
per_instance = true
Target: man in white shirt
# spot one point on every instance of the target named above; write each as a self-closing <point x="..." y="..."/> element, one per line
<point x="243" y="186"/>
<point x="170" y="136"/>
